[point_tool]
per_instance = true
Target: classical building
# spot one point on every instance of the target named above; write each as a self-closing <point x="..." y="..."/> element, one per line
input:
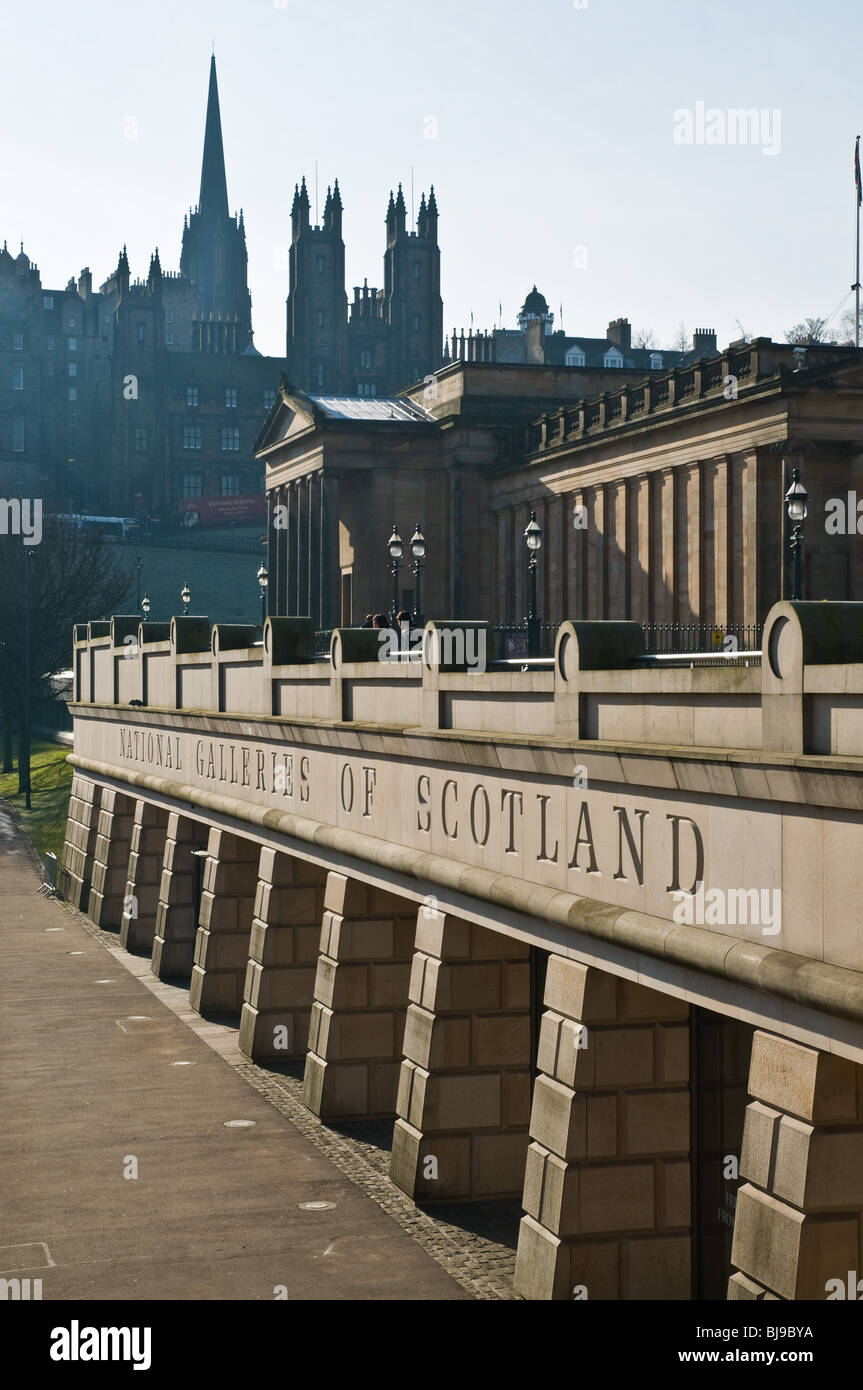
<point x="580" y="931"/>
<point x="660" y="497"/>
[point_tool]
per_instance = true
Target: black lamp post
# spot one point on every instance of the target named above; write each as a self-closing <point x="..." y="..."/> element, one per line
<point x="145" y="606"/>
<point x="263" y="580"/>
<point x="533" y="541"/>
<point x="395" y="546"/>
<point x="418" y="550"/>
<point x="185" y="597"/>
<point x="795" y="502"/>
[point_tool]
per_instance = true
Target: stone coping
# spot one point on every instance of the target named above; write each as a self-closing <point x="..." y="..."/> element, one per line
<point x="834" y="990"/>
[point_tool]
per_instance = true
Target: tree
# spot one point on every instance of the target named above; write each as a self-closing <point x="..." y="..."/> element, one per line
<point x="71" y="577"/>
<point x="645" y="338"/>
<point x="680" y="342"/>
<point x="845" y="331"/>
<point x="809" y="330"/>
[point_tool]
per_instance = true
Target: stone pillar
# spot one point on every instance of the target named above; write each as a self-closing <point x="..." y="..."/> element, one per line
<point x="110" y="859"/>
<point x="74" y="876"/>
<point x="464" y="1089"/>
<point x="596" y="553"/>
<point x="361" y="994"/>
<point x="291" y="548"/>
<point x="224" y="924"/>
<point x="147" y="852"/>
<point x="798" y="1223"/>
<point x="283" y="954"/>
<point x="607" y="1184"/>
<point x="177" y="908"/>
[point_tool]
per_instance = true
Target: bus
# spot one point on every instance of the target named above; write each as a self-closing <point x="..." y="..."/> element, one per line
<point x="116" y="528"/>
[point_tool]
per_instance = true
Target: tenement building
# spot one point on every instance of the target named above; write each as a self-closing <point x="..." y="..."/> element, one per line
<point x="581" y="930"/>
<point x="660" y="497"/>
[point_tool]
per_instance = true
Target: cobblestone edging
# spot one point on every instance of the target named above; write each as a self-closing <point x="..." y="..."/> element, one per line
<point x="482" y="1265"/>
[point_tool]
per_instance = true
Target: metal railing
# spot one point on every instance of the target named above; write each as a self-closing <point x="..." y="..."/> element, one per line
<point x="663" y="638"/>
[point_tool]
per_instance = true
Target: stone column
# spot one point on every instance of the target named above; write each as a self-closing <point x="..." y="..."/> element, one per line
<point x="283" y="954"/>
<point x="110" y="859"/>
<point x="224" y="924"/>
<point x="798" y="1223"/>
<point x="146" y="854"/>
<point x="464" y="1089"/>
<point x="177" y="908"/>
<point x="314" y="608"/>
<point x="361" y="994"/>
<point x="607" y="1184"/>
<point x="291" y="536"/>
<point x="74" y="876"/>
<point x="596" y="607"/>
<point x="615" y="542"/>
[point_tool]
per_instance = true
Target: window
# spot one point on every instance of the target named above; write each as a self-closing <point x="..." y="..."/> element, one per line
<point x="416" y="269"/>
<point x="71" y="324"/>
<point x="366" y="356"/>
<point x="612" y="358"/>
<point x="169" y="317"/>
<point x="415" y="322"/>
<point x="72" y="344"/>
<point x="73" y="393"/>
<point x="17" y="342"/>
<point x="231" y="397"/>
<point x="140" y="333"/>
<point x="321" y="319"/>
<point x="17" y="378"/>
<point x="319" y="264"/>
<point x="230" y="441"/>
<point x="192" y="485"/>
<point x="320" y="374"/>
<point x="656" y="360"/>
<point x="191" y="395"/>
<point x="50" y="344"/>
<point x="192" y="439"/>
<point x="575" y="357"/>
<point x="73" y="368"/>
<point x="47" y="301"/>
<point x="140" y="440"/>
<point x="17" y="434"/>
<point x="230" y="484"/>
<point x="169" y="339"/>
<point x="366" y="388"/>
<point x="269" y="399"/>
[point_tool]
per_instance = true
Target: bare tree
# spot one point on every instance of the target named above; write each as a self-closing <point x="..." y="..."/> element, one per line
<point x="845" y="331"/>
<point x="809" y="330"/>
<point x="71" y="577"/>
<point x="645" y="338"/>
<point x="747" y="337"/>
<point x="681" y="341"/>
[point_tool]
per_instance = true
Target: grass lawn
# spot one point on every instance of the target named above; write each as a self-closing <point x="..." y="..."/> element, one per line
<point x="51" y="780"/>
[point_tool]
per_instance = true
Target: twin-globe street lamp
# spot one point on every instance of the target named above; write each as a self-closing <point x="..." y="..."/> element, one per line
<point x="533" y="541"/>
<point x="795" y="502"/>
<point x="396" y="547"/>
<point x="263" y="580"/>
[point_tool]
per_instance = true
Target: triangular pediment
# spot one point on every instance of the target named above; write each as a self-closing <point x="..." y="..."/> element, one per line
<point x="291" y="414"/>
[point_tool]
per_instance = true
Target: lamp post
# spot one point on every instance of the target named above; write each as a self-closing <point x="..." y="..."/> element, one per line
<point x="185" y="597"/>
<point x="263" y="580"/>
<point x="533" y="541"/>
<point x="795" y="502"/>
<point x="395" y="546"/>
<point x="145" y="606"/>
<point x="418" y="550"/>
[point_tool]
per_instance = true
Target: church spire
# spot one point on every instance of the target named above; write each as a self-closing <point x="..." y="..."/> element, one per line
<point x="214" y="189"/>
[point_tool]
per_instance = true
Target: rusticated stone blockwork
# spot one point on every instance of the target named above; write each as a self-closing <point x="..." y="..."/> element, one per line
<point x="798" y="1229"/>
<point x="361" y="991"/>
<point x="224" y="924"/>
<point x="607" y="1183"/>
<point x="283" y="954"/>
<point x="77" y="866"/>
<point x="464" y="1088"/>
<point x="110" y="858"/>
<point x="146" y="855"/>
<point x="177" y="906"/>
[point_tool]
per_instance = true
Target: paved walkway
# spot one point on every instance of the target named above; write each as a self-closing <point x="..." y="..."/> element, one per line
<point x="105" y="1070"/>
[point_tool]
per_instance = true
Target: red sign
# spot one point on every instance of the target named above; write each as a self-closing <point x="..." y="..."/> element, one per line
<point x="220" y="511"/>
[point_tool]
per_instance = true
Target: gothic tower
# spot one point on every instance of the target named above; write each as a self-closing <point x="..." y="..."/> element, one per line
<point x="414" y="308"/>
<point x="214" y="248"/>
<point x="317" y="304"/>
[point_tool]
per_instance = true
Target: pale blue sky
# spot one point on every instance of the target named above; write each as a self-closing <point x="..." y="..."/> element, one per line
<point x="554" y="131"/>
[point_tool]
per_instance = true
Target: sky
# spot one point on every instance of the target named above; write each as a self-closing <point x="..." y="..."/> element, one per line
<point x="555" y="133"/>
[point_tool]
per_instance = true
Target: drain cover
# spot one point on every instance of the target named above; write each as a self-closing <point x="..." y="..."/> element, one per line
<point x="316" y="1206"/>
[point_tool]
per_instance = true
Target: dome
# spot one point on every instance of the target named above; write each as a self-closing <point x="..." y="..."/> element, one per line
<point x="22" y="258"/>
<point x="535" y="303"/>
